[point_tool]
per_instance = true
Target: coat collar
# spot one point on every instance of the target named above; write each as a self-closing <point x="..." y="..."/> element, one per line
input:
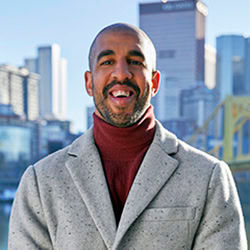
<point x="84" y="165"/>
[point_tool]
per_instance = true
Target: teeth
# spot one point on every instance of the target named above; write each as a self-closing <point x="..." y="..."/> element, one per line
<point x="120" y="93"/>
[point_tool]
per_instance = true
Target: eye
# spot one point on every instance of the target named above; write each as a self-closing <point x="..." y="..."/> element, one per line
<point x="107" y="62"/>
<point x="134" y="62"/>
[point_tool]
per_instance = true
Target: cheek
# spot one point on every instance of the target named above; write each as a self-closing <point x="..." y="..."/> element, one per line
<point x="97" y="83"/>
<point x="101" y="79"/>
<point x="145" y="82"/>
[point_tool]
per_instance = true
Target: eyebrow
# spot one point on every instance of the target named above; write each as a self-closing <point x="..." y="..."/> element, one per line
<point x="105" y="53"/>
<point x="109" y="52"/>
<point x="136" y="53"/>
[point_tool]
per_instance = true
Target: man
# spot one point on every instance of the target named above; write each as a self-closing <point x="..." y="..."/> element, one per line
<point x="127" y="183"/>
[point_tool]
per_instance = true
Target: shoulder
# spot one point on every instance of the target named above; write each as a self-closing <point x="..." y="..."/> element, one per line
<point x="196" y="170"/>
<point x="184" y="153"/>
<point x="56" y="161"/>
<point x="52" y="170"/>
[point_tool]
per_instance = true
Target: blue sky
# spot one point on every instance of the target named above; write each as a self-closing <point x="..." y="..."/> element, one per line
<point x="73" y="24"/>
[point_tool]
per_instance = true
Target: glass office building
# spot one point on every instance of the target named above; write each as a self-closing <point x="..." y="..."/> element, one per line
<point x="15" y="150"/>
<point x="197" y="104"/>
<point x="233" y="65"/>
<point x="177" y="29"/>
<point x="15" y="143"/>
<point x="54" y="135"/>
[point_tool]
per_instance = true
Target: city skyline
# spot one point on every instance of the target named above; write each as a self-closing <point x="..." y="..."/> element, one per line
<point x="74" y="25"/>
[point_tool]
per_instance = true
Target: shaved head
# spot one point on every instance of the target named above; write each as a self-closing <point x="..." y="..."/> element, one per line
<point x="124" y="28"/>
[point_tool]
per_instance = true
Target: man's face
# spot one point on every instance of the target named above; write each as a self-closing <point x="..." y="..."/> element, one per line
<point x="122" y="81"/>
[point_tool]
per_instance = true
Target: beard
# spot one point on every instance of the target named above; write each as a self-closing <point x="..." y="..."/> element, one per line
<point x="122" y="119"/>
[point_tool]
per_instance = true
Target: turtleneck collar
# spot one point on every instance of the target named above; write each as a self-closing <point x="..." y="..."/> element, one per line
<point x="123" y="143"/>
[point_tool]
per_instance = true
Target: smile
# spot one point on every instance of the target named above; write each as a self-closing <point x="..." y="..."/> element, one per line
<point x="121" y="93"/>
<point x="121" y="96"/>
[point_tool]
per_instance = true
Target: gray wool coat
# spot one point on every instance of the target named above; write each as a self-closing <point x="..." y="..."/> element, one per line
<point x="181" y="198"/>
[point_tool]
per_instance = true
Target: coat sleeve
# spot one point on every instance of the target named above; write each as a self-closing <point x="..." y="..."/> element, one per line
<point x="27" y="228"/>
<point x="222" y="225"/>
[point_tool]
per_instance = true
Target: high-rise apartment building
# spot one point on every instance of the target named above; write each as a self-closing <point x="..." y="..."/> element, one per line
<point x="52" y="69"/>
<point x="177" y="29"/>
<point x="233" y="65"/>
<point x="19" y="88"/>
<point x="31" y="96"/>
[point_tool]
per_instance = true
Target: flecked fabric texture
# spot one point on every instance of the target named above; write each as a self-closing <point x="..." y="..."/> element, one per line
<point x="181" y="198"/>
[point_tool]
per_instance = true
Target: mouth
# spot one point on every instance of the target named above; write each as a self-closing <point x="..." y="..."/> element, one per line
<point x="122" y="96"/>
<point x="121" y="90"/>
<point x="121" y="93"/>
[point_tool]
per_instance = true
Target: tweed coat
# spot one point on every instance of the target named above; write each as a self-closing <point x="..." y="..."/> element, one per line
<point x="181" y="198"/>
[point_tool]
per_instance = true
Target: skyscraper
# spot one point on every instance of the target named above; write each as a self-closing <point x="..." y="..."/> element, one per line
<point x="19" y="88"/>
<point x="177" y="29"/>
<point x="52" y="88"/>
<point x="233" y="65"/>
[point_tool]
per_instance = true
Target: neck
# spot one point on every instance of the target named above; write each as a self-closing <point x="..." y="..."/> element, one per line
<point x="124" y="142"/>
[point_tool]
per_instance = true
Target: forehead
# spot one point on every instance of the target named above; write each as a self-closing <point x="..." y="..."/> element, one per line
<point x="119" y="41"/>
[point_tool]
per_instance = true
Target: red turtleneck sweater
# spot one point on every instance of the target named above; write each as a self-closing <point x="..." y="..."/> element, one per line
<point x="122" y="151"/>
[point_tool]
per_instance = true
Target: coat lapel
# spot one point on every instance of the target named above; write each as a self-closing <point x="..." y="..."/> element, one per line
<point x="157" y="167"/>
<point x="86" y="170"/>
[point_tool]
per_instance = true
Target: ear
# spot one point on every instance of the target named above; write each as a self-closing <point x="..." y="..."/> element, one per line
<point x="155" y="82"/>
<point x="88" y="82"/>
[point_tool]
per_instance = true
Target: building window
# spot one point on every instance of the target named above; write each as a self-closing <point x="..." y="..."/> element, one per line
<point x="166" y="54"/>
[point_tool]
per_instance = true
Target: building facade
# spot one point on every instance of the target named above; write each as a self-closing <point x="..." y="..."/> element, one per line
<point x="181" y="127"/>
<point x="16" y="151"/>
<point x="19" y="88"/>
<point x="167" y="101"/>
<point x="197" y="104"/>
<point x="52" y="69"/>
<point x="210" y="66"/>
<point x="90" y="111"/>
<point x="23" y="142"/>
<point x="177" y="29"/>
<point x="233" y="65"/>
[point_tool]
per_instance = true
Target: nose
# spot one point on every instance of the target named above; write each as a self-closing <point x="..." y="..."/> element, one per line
<point x="121" y="71"/>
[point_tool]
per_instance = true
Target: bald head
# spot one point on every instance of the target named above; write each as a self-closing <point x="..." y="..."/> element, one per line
<point x="123" y="28"/>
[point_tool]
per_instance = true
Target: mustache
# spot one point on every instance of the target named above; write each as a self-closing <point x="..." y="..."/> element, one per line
<point x="126" y="82"/>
